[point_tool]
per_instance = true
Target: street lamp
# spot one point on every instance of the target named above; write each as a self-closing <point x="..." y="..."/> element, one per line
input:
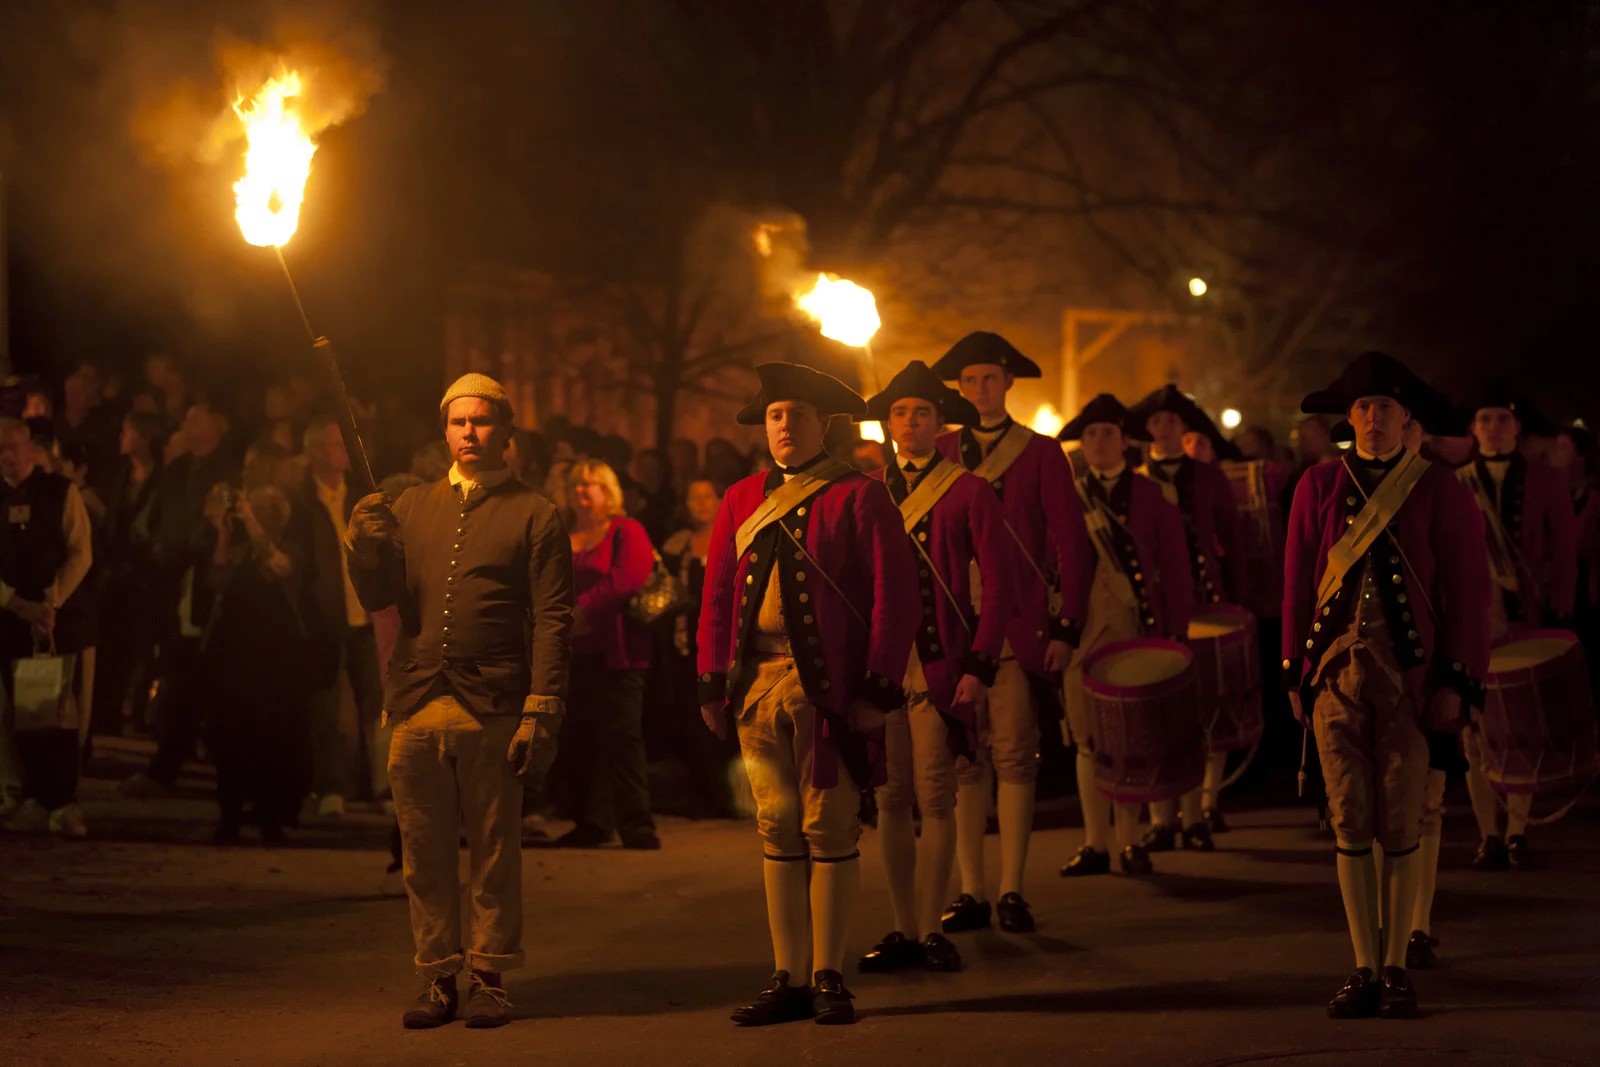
<point x="1197" y="287"/>
<point x="1231" y="418"/>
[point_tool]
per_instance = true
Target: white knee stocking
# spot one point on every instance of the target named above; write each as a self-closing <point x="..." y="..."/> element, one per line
<point x="1096" y="808"/>
<point x="1015" y="804"/>
<point x="898" y="842"/>
<point x="936" y="854"/>
<point x="789" y="916"/>
<point x="1358" y="885"/>
<point x="972" y="819"/>
<point x="833" y="897"/>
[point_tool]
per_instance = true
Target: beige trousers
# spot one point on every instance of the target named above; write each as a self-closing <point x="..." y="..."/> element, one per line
<point x="777" y="726"/>
<point x="917" y="750"/>
<point x="1008" y="732"/>
<point x="450" y="776"/>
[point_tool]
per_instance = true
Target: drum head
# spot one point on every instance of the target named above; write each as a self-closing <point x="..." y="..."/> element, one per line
<point x="1213" y="622"/>
<point x="1525" y="652"/>
<point x="1134" y="668"/>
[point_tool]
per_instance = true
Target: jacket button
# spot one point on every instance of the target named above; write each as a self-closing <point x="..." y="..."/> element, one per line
<point x="446" y="631"/>
<point x="749" y="579"/>
<point x="454" y="564"/>
<point x="799" y="576"/>
<point x="801" y="511"/>
<point x="805" y="598"/>
<point x="457" y="547"/>
<point x="813" y="641"/>
<point x="460" y="530"/>
<point x="817" y="662"/>
<point x="449" y="614"/>
<point x="825" y="684"/>
<point x="808" y="620"/>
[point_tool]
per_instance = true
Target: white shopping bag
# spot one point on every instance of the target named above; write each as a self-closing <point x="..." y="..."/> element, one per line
<point x="41" y="693"/>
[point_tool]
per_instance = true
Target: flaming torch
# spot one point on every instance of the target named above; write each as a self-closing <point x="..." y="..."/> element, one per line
<point x="847" y="313"/>
<point x="277" y="162"/>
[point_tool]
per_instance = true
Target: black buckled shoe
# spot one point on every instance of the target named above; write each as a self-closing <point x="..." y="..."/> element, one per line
<point x="434" y="1006"/>
<point x="896" y="952"/>
<point x="1419" y="951"/>
<point x="1015" y="918"/>
<point x="1492" y="855"/>
<point x="1198" y="838"/>
<point x="1399" y="997"/>
<point x="780" y="1002"/>
<point x="1136" y="861"/>
<point x="1519" y="855"/>
<point x="1087" y="861"/>
<point x="830" y="1000"/>
<point x="584" y="835"/>
<point x="1213" y="819"/>
<point x="966" y="913"/>
<point x="939" y="954"/>
<point x="1358" y="999"/>
<point x="1159" y="838"/>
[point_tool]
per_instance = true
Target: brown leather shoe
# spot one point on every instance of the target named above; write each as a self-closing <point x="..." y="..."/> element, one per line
<point x="434" y="1006"/>
<point x="487" y="1006"/>
<point x="780" y="1002"/>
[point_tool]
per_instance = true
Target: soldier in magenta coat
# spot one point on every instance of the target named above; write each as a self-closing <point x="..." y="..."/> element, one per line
<point x="954" y="524"/>
<point x="1051" y="558"/>
<point x="808" y="616"/>
<point x="1384" y="657"/>
<point x="1211" y="522"/>
<point x="1142" y="587"/>
<point x="1532" y="541"/>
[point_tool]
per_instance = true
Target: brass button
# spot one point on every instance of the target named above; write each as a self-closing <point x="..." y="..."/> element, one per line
<point x="817" y="662"/>
<point x="1349" y="501"/>
<point x="1412" y="634"/>
<point x="799" y="576"/>
<point x="807" y="619"/>
<point x="457" y="547"/>
<point x="799" y="556"/>
<point x="447" y="631"/>
<point x="749" y="579"/>
<point x="460" y="530"/>
<point x="449" y="614"/>
<point x="933" y="648"/>
<point x="825" y="684"/>
<point x="454" y="564"/>
<point x="805" y="598"/>
<point x="801" y="511"/>
<point x="754" y="557"/>
<point x="813" y="641"/>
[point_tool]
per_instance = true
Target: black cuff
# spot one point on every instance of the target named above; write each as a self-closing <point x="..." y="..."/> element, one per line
<point x="980" y="666"/>
<point x="713" y="687"/>
<point x="880" y="692"/>
<point x="1068" y="630"/>
<point x="1453" y="675"/>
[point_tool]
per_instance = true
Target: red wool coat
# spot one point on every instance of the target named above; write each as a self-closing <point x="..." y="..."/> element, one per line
<point x="966" y="524"/>
<point x="1161" y="553"/>
<point x="1043" y="510"/>
<point x="847" y="648"/>
<point x="1536" y="510"/>
<point x="1206" y="496"/>
<point x="1440" y="531"/>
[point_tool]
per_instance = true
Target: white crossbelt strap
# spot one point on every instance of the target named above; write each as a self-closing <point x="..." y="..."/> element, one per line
<point x="785" y="498"/>
<point x="929" y="491"/>
<point x="1098" y="518"/>
<point x="1375" y="516"/>
<point x="1502" y="551"/>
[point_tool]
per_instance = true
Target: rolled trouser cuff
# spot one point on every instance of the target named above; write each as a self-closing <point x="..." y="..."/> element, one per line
<point x="445" y="968"/>
<point x="483" y="961"/>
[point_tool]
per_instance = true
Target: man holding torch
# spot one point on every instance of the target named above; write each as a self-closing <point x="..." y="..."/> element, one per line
<point x="477" y="705"/>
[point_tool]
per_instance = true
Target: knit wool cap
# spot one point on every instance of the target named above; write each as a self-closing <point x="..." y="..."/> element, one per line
<point x="475" y="384"/>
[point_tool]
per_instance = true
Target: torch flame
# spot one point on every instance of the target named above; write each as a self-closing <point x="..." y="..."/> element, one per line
<point x="277" y="161"/>
<point x="1047" y="421"/>
<point x="845" y="311"/>
<point x="872" y="431"/>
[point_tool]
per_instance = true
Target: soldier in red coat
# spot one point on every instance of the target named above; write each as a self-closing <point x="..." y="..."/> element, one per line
<point x="1051" y="558"/>
<point x="810" y="607"/>
<point x="1385" y="640"/>
<point x="1211" y="521"/>
<point x="1532" y="538"/>
<point x="1141" y="587"/>
<point x="954" y="524"/>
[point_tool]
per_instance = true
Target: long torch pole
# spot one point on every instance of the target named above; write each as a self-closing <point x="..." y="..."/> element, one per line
<point x="348" y="430"/>
<point x="361" y="469"/>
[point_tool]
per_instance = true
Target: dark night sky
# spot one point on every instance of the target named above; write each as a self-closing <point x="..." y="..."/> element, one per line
<point x="1451" y="146"/>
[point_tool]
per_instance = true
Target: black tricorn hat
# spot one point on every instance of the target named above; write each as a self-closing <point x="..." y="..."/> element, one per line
<point x="985" y="347"/>
<point x="1103" y="408"/>
<point x="792" y="381"/>
<point x="1501" y="395"/>
<point x="916" y="380"/>
<point x="1170" y="398"/>
<point x="1438" y="416"/>
<point x="1369" y="374"/>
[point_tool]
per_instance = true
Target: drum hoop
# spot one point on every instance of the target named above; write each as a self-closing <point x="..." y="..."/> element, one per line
<point x="1185" y="677"/>
<point x="1500" y="679"/>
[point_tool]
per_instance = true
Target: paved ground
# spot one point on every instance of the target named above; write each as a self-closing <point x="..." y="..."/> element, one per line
<point x="147" y="945"/>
